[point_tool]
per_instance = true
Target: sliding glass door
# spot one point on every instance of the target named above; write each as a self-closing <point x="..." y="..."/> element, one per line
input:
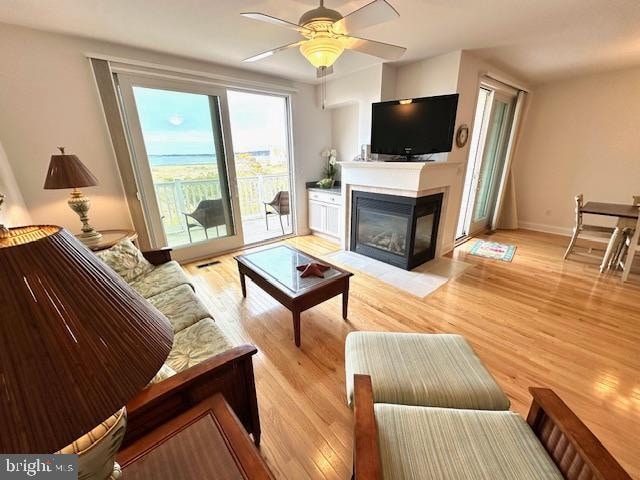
<point x="492" y="126"/>
<point x="260" y="131"/>
<point x="492" y="163"/>
<point x="184" y="163"/>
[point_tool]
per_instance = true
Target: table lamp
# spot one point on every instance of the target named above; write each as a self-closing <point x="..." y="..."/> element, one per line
<point x="76" y="344"/>
<point x="67" y="171"/>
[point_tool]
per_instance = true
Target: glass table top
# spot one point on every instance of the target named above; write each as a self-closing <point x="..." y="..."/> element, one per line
<point x="280" y="264"/>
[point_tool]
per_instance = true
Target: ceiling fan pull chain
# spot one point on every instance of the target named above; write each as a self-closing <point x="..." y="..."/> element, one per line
<point x="323" y="86"/>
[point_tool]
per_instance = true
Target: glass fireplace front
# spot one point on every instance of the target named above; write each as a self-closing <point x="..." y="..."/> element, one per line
<point x="398" y="230"/>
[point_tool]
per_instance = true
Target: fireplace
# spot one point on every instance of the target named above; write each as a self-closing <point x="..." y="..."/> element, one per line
<point x="401" y="231"/>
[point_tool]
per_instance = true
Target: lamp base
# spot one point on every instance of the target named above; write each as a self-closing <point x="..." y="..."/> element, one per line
<point x="97" y="449"/>
<point x="81" y="204"/>
<point x="117" y="472"/>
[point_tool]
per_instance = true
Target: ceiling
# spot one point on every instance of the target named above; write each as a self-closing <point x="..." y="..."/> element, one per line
<point x="538" y="40"/>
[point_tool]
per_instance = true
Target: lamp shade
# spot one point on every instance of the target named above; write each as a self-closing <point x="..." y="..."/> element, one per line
<point x="67" y="171"/>
<point x="76" y="342"/>
<point x="322" y="50"/>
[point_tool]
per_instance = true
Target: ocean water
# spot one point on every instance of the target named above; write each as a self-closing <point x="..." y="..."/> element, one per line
<point x="163" y="160"/>
<point x="203" y="159"/>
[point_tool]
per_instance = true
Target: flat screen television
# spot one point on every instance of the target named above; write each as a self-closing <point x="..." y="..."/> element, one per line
<point x="417" y="126"/>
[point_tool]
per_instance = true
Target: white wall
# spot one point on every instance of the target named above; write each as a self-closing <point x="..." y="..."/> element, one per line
<point x="581" y="136"/>
<point x="14" y="212"/>
<point x="311" y="136"/>
<point x="362" y="88"/>
<point x="48" y="98"/>
<point x="432" y="76"/>
<point x="344" y="131"/>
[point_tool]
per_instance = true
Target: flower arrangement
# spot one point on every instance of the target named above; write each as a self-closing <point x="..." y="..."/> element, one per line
<point x="330" y="170"/>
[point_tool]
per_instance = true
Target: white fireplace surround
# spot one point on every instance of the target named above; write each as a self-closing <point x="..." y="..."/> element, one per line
<point x="406" y="179"/>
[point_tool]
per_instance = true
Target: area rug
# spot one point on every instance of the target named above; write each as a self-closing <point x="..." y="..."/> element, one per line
<point x="497" y="251"/>
<point x="420" y="282"/>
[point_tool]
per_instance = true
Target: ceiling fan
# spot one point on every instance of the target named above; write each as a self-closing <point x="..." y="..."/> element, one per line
<point x="326" y="34"/>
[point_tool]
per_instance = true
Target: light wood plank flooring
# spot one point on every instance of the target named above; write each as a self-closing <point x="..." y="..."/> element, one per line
<point x="537" y="321"/>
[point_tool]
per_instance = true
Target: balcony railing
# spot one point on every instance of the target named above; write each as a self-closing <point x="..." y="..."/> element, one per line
<point x="178" y="197"/>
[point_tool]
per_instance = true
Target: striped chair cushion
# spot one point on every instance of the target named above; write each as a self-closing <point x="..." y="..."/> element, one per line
<point x="426" y="443"/>
<point x="422" y="369"/>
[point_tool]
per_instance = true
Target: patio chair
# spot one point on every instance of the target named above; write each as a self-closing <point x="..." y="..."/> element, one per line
<point x="280" y="206"/>
<point x="208" y="214"/>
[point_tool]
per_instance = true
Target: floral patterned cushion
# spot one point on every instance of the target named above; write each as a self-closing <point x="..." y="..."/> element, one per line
<point x="161" y="279"/>
<point x="195" y="344"/>
<point x="165" y="372"/>
<point x="181" y="306"/>
<point x="126" y="260"/>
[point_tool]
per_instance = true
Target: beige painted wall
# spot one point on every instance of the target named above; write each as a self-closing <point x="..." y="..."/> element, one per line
<point x="344" y="131"/>
<point x="432" y="76"/>
<point x="48" y="98"/>
<point x="362" y="88"/>
<point x="581" y="135"/>
<point x="14" y="212"/>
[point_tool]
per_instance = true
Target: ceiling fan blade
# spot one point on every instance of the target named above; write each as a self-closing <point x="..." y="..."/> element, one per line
<point x="371" y="47"/>
<point x="261" y="17"/>
<point x="373" y="13"/>
<point x="268" y="53"/>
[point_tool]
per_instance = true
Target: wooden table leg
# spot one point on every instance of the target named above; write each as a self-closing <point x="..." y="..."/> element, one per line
<point x="345" y="300"/>
<point x="296" y="327"/>
<point x="243" y="283"/>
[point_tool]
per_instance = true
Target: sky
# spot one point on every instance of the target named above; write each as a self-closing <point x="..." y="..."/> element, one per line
<point x="177" y="123"/>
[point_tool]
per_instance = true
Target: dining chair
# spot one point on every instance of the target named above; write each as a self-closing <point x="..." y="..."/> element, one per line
<point x="582" y="227"/>
<point x="630" y="246"/>
<point x="280" y="206"/>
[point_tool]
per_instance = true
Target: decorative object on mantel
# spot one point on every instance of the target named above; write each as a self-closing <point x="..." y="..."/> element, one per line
<point x="71" y="341"/>
<point x="4" y="232"/>
<point x="313" y="269"/>
<point x="330" y="170"/>
<point x="462" y="135"/>
<point x="496" y="251"/>
<point x="67" y="171"/>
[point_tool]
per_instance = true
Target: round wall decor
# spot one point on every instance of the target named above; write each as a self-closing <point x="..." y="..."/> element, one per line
<point x="462" y="135"/>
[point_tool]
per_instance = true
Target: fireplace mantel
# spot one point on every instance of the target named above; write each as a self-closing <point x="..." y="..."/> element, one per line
<point x="409" y="179"/>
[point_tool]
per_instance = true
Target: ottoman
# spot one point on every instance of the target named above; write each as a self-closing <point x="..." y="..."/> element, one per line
<point x="431" y="370"/>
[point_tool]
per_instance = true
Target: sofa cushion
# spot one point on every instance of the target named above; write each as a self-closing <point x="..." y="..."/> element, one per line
<point x="165" y="372"/>
<point x="422" y="369"/>
<point x="181" y="306"/>
<point x="161" y="279"/>
<point x="195" y="344"/>
<point x="126" y="260"/>
<point x="418" y="443"/>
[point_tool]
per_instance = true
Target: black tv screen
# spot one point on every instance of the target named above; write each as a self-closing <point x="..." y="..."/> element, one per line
<point x="414" y="127"/>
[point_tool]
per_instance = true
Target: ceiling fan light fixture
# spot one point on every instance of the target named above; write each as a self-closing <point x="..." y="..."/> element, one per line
<point x="322" y="51"/>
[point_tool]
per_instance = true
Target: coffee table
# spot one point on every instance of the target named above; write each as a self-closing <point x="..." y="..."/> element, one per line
<point x="274" y="270"/>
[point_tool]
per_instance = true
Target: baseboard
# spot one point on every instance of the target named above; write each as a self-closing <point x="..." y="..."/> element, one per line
<point x="565" y="232"/>
<point x="540" y="227"/>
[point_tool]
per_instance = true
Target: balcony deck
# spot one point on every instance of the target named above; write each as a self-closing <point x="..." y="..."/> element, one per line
<point x="255" y="230"/>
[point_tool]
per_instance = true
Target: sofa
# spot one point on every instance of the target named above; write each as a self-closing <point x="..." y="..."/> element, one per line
<point x="202" y="361"/>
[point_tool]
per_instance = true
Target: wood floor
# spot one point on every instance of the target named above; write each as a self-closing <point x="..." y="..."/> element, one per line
<point x="537" y="321"/>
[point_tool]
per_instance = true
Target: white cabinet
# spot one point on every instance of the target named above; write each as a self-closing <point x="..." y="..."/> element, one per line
<point x="325" y="213"/>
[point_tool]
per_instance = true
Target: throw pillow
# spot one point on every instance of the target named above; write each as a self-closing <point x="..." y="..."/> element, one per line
<point x="126" y="260"/>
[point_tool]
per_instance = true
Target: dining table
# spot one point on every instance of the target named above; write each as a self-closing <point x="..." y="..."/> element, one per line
<point x="628" y="212"/>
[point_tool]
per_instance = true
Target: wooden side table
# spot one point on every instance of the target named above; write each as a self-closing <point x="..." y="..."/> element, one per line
<point x="110" y="238"/>
<point x="207" y="441"/>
